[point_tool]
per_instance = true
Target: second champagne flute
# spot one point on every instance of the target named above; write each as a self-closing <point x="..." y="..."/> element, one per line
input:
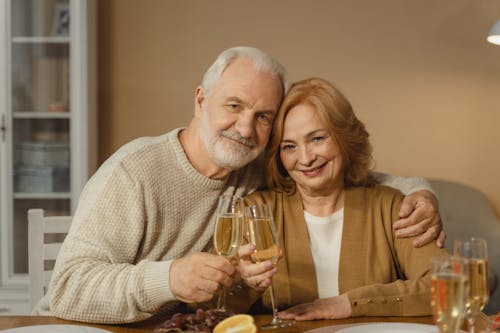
<point x="449" y="288"/>
<point x="475" y="253"/>
<point x="228" y="233"/>
<point x="262" y="234"/>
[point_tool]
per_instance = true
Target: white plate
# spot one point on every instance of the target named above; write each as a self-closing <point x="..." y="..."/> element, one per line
<point x="390" y="328"/>
<point x="55" y="329"/>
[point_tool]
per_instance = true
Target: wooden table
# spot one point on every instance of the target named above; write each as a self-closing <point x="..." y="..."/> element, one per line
<point x="18" y="321"/>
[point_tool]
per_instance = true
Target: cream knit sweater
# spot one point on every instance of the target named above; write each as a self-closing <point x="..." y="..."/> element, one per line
<point x="145" y="207"/>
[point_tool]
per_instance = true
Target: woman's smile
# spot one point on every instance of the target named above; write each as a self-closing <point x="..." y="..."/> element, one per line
<point x="313" y="172"/>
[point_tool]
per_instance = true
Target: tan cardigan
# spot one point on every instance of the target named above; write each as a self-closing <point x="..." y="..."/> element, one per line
<point x="382" y="275"/>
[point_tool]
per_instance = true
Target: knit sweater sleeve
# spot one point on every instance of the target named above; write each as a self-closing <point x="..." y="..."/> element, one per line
<point x="96" y="277"/>
<point x="407" y="185"/>
<point x="409" y="294"/>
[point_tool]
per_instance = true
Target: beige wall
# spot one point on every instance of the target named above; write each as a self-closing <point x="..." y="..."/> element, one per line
<point x="419" y="73"/>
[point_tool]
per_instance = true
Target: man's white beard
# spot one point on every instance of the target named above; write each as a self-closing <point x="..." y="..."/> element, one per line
<point x="225" y="152"/>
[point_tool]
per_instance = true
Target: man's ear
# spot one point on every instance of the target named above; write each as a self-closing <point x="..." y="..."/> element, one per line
<point x="199" y="100"/>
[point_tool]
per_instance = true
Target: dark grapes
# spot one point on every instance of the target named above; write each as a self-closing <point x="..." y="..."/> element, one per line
<point x="200" y="321"/>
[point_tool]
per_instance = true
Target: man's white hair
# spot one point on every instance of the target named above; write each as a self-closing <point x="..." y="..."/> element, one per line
<point x="261" y="60"/>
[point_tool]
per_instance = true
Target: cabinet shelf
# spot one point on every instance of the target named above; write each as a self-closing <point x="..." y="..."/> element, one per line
<point x="41" y="115"/>
<point x="41" y="39"/>
<point x="49" y="195"/>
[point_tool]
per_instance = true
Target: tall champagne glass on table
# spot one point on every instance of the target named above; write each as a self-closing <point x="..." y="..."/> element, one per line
<point x="228" y="233"/>
<point x="449" y="288"/>
<point x="474" y="251"/>
<point x="261" y="232"/>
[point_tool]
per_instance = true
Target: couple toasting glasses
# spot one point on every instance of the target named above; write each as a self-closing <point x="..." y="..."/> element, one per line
<point x="140" y="238"/>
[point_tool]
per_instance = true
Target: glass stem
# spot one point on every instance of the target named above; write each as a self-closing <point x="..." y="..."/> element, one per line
<point x="221" y="302"/>
<point x="471" y="322"/>
<point x="273" y="304"/>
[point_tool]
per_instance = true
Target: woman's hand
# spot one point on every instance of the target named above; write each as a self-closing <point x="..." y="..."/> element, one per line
<point x="256" y="276"/>
<point x="324" y="308"/>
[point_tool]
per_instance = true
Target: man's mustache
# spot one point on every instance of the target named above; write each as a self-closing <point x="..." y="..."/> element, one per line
<point x="237" y="137"/>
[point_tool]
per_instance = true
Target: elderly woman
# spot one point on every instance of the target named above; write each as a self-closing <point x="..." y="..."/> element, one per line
<point x="334" y="222"/>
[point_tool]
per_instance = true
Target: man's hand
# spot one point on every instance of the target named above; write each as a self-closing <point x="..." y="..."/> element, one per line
<point x="197" y="277"/>
<point x="325" y="308"/>
<point x="419" y="215"/>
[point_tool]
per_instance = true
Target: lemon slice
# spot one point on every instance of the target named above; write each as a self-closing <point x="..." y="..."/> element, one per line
<point x="240" y="323"/>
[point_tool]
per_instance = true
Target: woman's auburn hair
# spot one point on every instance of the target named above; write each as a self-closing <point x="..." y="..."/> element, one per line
<point x="341" y="123"/>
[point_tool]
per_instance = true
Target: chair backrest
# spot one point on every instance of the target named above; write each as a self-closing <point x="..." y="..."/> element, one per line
<point x="45" y="236"/>
<point x="467" y="212"/>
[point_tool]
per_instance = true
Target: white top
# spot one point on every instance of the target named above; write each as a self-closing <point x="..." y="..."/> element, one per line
<point x="325" y="235"/>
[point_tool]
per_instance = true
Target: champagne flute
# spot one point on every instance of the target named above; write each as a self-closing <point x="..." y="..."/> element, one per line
<point x="449" y="288"/>
<point x="228" y="233"/>
<point x="475" y="253"/>
<point x="262" y="234"/>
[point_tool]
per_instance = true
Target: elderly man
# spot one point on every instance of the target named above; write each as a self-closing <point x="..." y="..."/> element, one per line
<point x="137" y="245"/>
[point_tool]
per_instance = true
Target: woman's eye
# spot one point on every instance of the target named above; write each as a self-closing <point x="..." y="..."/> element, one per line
<point x="287" y="147"/>
<point x="318" y="138"/>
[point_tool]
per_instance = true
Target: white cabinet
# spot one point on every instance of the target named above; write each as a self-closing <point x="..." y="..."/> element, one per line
<point x="46" y="124"/>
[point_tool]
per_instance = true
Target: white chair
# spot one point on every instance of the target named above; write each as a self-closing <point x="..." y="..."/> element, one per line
<point x="45" y="236"/>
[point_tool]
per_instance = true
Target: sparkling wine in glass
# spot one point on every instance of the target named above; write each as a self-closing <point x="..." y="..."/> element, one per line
<point x="228" y="233"/>
<point x="262" y="234"/>
<point x="449" y="289"/>
<point x="474" y="251"/>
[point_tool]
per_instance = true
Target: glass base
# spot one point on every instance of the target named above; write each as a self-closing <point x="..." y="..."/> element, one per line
<point x="278" y="323"/>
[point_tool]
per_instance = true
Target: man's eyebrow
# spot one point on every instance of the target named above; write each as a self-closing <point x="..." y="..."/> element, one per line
<point x="270" y="112"/>
<point x="240" y="101"/>
<point x="235" y="99"/>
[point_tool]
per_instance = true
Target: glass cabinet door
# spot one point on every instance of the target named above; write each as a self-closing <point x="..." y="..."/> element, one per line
<point x="40" y="112"/>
